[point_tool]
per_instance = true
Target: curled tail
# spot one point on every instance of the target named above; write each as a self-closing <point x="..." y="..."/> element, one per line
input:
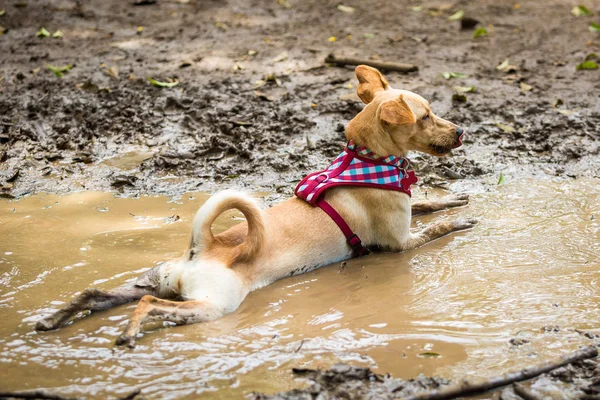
<point x="202" y="237"/>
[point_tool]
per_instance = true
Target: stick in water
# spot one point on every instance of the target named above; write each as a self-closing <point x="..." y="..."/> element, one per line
<point x="470" y="388"/>
<point x="389" y="66"/>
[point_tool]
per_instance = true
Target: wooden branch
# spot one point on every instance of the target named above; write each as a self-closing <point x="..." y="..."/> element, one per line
<point x="389" y="66"/>
<point x="467" y="388"/>
<point x="34" y="394"/>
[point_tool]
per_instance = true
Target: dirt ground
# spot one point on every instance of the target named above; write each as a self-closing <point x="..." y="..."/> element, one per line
<point x="257" y="107"/>
<point x="103" y="126"/>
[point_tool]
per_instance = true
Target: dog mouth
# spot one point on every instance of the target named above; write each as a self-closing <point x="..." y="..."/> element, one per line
<point x="443" y="150"/>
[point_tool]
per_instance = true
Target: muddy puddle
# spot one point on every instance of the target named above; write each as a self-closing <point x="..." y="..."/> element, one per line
<point x="506" y="295"/>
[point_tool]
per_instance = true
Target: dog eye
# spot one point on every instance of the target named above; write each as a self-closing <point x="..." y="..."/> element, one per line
<point x="425" y="117"/>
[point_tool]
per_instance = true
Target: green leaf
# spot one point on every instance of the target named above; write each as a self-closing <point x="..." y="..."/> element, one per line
<point x="503" y="65"/>
<point x="481" y="31"/>
<point x="501" y="179"/>
<point x="587" y="65"/>
<point x="59" y="71"/>
<point x="42" y="32"/>
<point x="581" y="11"/>
<point x="430" y="354"/>
<point x="417" y="8"/>
<point x="2" y="12"/>
<point x="58" y="34"/>
<point x="369" y="35"/>
<point x="156" y="83"/>
<point x="449" y="75"/>
<point x="505" y="128"/>
<point x="464" y="89"/>
<point x="457" y="15"/>
<point x="594" y="27"/>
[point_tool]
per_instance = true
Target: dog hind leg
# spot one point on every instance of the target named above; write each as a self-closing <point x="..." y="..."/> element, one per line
<point x="152" y="309"/>
<point x="93" y="300"/>
<point x="98" y="300"/>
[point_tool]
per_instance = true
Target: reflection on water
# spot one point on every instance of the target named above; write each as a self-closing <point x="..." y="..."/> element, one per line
<point x="449" y="308"/>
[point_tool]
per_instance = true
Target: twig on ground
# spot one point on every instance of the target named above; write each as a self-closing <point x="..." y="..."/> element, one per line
<point x="389" y="66"/>
<point x="299" y="347"/>
<point x="467" y="388"/>
<point x="34" y="394"/>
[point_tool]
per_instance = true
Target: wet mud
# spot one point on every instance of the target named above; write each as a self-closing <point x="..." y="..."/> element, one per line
<point x="517" y="290"/>
<point x="257" y="106"/>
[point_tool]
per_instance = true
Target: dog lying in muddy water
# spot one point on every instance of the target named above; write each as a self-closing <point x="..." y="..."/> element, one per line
<point x="335" y="213"/>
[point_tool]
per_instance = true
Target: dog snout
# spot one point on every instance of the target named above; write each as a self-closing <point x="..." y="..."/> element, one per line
<point x="459" y="132"/>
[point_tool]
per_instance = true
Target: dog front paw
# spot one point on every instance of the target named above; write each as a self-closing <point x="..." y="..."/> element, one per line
<point x="456" y="200"/>
<point x="461" y="224"/>
<point x="126" y="340"/>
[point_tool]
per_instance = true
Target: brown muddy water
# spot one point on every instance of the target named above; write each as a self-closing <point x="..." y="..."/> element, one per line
<point x="528" y="271"/>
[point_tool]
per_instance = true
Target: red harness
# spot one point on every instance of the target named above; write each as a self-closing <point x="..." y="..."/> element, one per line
<point x="355" y="166"/>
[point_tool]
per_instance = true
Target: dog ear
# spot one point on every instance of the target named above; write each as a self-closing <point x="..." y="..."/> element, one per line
<point x="370" y="81"/>
<point x="396" y="112"/>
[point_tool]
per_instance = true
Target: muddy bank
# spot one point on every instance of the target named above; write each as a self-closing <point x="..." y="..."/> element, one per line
<point x="580" y="380"/>
<point x="257" y="107"/>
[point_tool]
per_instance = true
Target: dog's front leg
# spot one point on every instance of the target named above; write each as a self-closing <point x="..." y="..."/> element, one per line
<point x="429" y="206"/>
<point x="435" y="231"/>
<point x="151" y="309"/>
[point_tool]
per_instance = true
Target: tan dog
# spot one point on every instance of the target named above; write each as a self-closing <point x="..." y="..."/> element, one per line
<point x="217" y="272"/>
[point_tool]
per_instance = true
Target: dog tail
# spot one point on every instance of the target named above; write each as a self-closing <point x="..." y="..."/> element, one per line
<point x="203" y="238"/>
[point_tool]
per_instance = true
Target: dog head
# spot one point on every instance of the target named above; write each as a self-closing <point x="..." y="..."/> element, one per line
<point x="396" y="121"/>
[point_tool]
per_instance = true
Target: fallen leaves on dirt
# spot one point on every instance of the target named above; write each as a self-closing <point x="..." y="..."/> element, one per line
<point x="464" y="89"/>
<point x="501" y="179"/>
<point x="43" y="32"/>
<point x="479" y="32"/>
<point x="113" y="72"/>
<point x="162" y="84"/>
<point x="503" y="65"/>
<point x="457" y="15"/>
<point x="346" y="9"/>
<point x="58" y="34"/>
<point x="281" y="57"/>
<point x="450" y="75"/>
<point x="505" y="128"/>
<point x="506" y="66"/>
<point x="588" y="64"/>
<point x="581" y="11"/>
<point x="525" y="87"/>
<point x="59" y="71"/>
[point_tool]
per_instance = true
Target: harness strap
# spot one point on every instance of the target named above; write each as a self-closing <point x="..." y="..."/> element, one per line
<point x="358" y="248"/>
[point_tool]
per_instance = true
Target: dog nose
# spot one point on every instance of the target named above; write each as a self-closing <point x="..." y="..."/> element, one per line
<point x="459" y="132"/>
